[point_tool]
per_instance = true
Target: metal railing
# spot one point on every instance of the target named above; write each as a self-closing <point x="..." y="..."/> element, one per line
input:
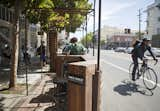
<point x="6" y="14"/>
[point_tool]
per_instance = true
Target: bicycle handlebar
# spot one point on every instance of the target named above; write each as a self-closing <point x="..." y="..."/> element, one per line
<point x="156" y="62"/>
<point x="146" y="59"/>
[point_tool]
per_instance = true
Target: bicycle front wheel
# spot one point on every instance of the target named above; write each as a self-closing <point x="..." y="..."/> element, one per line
<point x="150" y="79"/>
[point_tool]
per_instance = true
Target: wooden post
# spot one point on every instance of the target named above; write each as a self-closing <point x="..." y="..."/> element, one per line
<point x="96" y="103"/>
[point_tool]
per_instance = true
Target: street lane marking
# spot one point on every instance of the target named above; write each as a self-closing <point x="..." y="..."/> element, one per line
<point x="125" y="70"/>
<point x="116" y="66"/>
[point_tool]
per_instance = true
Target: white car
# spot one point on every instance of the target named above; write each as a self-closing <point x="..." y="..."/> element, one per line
<point x="120" y="49"/>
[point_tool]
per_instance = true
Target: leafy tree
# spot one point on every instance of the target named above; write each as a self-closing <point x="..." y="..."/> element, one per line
<point x="62" y="14"/>
<point x="44" y="11"/>
<point x="87" y="39"/>
<point x="19" y="6"/>
<point x="103" y="42"/>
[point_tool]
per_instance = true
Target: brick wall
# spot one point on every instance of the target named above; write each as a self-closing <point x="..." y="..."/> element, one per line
<point x="53" y="49"/>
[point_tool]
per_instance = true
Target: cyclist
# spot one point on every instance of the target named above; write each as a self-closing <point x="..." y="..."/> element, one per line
<point x="138" y="52"/>
<point x="41" y="50"/>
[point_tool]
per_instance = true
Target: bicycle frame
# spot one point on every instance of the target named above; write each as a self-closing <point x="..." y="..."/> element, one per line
<point x="144" y="66"/>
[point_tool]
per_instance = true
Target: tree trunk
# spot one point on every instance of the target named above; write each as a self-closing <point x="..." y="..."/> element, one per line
<point x="15" y="47"/>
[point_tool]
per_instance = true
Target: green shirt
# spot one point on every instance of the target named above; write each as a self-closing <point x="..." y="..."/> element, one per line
<point x="75" y="49"/>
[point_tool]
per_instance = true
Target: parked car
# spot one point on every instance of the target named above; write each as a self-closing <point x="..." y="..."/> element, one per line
<point x="129" y="50"/>
<point x="156" y="52"/>
<point x="120" y="49"/>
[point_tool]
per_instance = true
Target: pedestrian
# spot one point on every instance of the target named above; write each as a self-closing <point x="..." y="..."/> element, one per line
<point x="26" y="55"/>
<point x="87" y="49"/>
<point x="41" y="50"/>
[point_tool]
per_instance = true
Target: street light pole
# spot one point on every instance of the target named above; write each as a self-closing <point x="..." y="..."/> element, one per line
<point x="98" y="72"/>
<point x="99" y="37"/>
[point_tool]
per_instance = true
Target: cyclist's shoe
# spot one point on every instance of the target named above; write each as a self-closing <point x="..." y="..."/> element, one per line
<point x="133" y="79"/>
<point x="138" y="76"/>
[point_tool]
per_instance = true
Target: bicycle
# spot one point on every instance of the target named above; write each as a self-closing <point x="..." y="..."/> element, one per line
<point x="146" y="73"/>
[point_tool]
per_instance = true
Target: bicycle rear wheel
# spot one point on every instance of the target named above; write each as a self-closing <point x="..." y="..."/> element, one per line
<point x="150" y="79"/>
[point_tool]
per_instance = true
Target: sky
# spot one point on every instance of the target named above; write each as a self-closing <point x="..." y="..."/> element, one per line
<point x="119" y="13"/>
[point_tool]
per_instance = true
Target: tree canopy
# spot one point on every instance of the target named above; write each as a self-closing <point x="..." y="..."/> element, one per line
<point x="68" y="14"/>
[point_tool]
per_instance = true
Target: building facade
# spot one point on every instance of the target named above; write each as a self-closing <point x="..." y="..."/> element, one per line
<point x="121" y="40"/>
<point x="153" y="19"/>
<point x="6" y="20"/>
<point x="6" y="27"/>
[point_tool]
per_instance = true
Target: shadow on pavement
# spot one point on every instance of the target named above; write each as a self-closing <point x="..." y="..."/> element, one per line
<point x="53" y="109"/>
<point x="47" y="97"/>
<point x="128" y="88"/>
<point x="4" y="89"/>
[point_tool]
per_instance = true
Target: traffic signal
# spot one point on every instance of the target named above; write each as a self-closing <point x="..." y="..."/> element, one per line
<point x="127" y="31"/>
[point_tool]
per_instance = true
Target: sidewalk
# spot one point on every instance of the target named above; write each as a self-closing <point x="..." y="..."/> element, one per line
<point x="40" y="96"/>
<point x="39" y="99"/>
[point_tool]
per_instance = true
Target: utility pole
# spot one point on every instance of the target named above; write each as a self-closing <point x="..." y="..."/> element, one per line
<point x="139" y="15"/>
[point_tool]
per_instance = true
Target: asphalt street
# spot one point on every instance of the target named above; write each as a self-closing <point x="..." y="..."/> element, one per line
<point x="118" y="92"/>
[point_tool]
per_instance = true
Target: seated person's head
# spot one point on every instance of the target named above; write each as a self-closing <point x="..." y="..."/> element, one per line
<point x="73" y="40"/>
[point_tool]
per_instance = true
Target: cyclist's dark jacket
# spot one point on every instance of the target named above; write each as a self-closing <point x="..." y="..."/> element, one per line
<point x="140" y="49"/>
